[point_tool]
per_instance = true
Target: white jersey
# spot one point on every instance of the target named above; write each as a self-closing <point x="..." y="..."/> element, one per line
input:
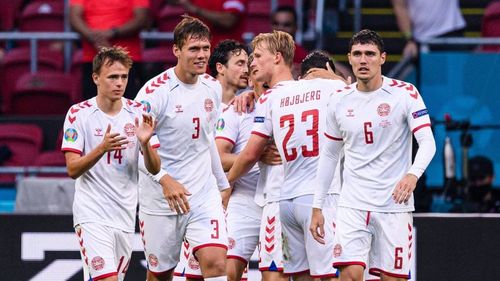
<point x="236" y="128"/>
<point x="107" y="192"/>
<point x="295" y="114"/>
<point x="186" y="115"/>
<point x="376" y="129"/>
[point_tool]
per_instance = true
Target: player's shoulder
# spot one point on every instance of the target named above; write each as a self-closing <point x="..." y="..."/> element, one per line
<point x="81" y="110"/>
<point x="400" y="89"/>
<point x="156" y="85"/>
<point x="136" y="107"/>
<point x="210" y="82"/>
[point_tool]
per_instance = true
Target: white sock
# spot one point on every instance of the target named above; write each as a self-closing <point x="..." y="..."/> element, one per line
<point x="218" y="278"/>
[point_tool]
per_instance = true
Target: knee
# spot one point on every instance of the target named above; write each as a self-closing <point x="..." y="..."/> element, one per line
<point x="217" y="267"/>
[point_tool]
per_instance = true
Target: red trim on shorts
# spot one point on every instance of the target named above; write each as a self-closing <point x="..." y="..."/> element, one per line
<point x="332" y="137"/>
<point x="259" y="134"/>
<point x="226" y="139"/>
<point x="378" y="271"/>
<point x="280" y="269"/>
<point x="233" y="257"/>
<point x="67" y="149"/>
<point x="192" y="276"/>
<point x="368" y="218"/>
<point x="209" y="245"/>
<point x="329" y="275"/>
<point x="346" y="263"/>
<point x="420" y="127"/>
<point x="105" y="276"/>
<point x="296" y="273"/>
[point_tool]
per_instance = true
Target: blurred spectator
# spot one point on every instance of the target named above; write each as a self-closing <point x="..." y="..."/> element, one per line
<point x="424" y="19"/>
<point x="105" y="23"/>
<point x="482" y="198"/>
<point x="225" y="18"/>
<point x="284" y="19"/>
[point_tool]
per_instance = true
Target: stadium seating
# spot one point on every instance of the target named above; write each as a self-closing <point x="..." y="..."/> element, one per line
<point x="24" y="141"/>
<point x="169" y="17"/>
<point x="258" y="19"/>
<point x="42" y="93"/>
<point x="17" y="62"/>
<point x="42" y="16"/>
<point x="9" y="13"/>
<point x="490" y="26"/>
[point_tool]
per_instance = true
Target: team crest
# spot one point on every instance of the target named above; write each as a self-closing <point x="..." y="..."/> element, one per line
<point x="98" y="132"/>
<point x="153" y="260"/>
<point x="220" y="124"/>
<point x="193" y="263"/>
<point x="70" y="135"/>
<point x="98" y="263"/>
<point x="231" y="243"/>
<point x="129" y="130"/>
<point x="384" y="109"/>
<point x="209" y="105"/>
<point x="337" y="251"/>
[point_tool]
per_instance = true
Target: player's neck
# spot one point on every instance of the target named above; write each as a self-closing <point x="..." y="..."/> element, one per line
<point x="370" y="85"/>
<point x="228" y="91"/>
<point x="184" y="76"/>
<point x="109" y="106"/>
<point x="281" y="74"/>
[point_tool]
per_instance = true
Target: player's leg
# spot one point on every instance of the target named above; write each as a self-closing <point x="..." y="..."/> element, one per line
<point x="270" y="244"/>
<point x="162" y="243"/>
<point x="97" y="249"/>
<point x="188" y="267"/>
<point x="392" y="242"/>
<point x="243" y="218"/>
<point x="295" y="262"/>
<point x="319" y="256"/>
<point x="206" y="232"/>
<point x="352" y="242"/>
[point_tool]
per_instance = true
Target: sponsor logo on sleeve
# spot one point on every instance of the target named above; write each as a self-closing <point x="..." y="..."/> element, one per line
<point x="420" y="113"/>
<point x="70" y="135"/>
<point x="258" y="119"/>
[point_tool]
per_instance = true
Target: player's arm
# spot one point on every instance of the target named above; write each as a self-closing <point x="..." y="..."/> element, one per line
<point x="226" y="19"/>
<point x="144" y="132"/>
<point x="248" y="157"/>
<point x="77" y="164"/>
<point x="225" y="148"/>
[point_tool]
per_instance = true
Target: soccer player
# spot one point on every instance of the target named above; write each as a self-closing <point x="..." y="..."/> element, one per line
<point x="102" y="137"/>
<point x="374" y="121"/>
<point x="293" y="112"/>
<point x="187" y="203"/>
<point x="228" y="63"/>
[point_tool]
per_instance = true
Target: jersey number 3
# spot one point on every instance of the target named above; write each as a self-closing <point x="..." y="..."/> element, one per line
<point x="291" y="154"/>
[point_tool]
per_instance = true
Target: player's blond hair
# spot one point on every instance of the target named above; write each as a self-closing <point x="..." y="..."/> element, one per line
<point x="277" y="42"/>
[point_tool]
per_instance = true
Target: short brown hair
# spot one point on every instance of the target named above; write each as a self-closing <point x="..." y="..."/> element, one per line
<point x="109" y="55"/>
<point x="190" y="27"/>
<point x="277" y="41"/>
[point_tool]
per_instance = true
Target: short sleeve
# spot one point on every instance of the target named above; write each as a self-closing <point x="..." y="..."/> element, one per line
<point x="73" y="138"/>
<point x="418" y="114"/>
<point x="152" y="100"/>
<point x="227" y="127"/>
<point x="262" y="123"/>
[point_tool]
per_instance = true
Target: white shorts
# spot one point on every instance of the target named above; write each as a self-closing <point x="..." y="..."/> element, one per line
<point x="242" y="229"/>
<point x="105" y="250"/>
<point x="188" y="266"/>
<point x="385" y="239"/>
<point x="301" y="252"/>
<point x="270" y="240"/>
<point x="203" y="226"/>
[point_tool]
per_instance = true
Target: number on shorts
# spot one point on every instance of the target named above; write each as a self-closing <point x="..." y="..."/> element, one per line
<point x="215" y="234"/>
<point x="398" y="259"/>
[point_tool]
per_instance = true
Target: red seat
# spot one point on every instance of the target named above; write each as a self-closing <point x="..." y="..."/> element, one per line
<point x="42" y="93"/>
<point x="17" y="62"/>
<point x="490" y="26"/>
<point x="43" y="16"/>
<point x="162" y="55"/>
<point x="53" y="158"/>
<point x="24" y="141"/>
<point x="258" y="20"/>
<point x="8" y="14"/>
<point x="76" y="73"/>
<point x="169" y="17"/>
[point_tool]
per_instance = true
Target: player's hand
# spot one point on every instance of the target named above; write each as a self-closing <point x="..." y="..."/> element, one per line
<point x="225" y="194"/>
<point x="410" y="50"/>
<point x="176" y="194"/>
<point x="328" y="73"/>
<point x="271" y="156"/>
<point x="145" y="130"/>
<point x="404" y="189"/>
<point x="113" y="141"/>
<point x="317" y="225"/>
<point x="245" y="102"/>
